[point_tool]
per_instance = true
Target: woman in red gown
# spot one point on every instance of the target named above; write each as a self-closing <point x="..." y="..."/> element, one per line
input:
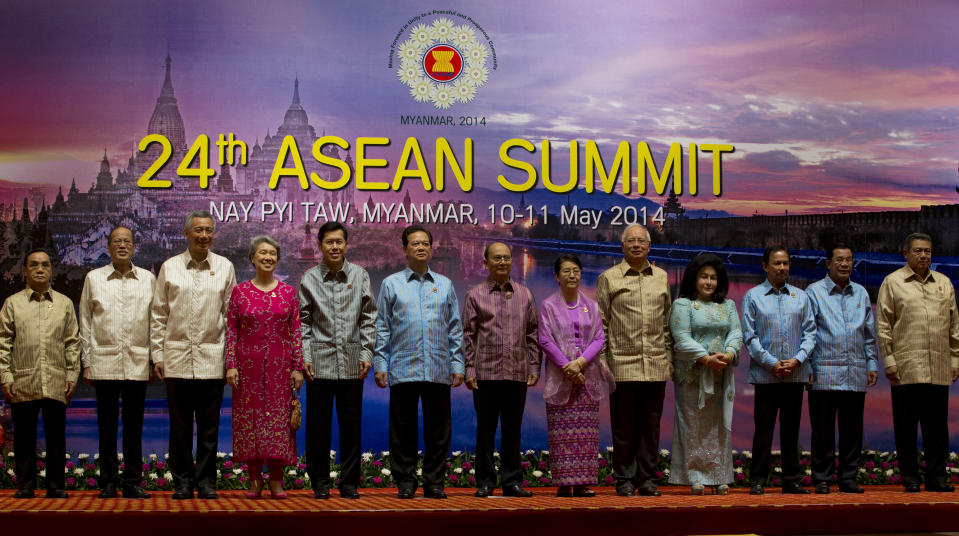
<point x="264" y="360"/>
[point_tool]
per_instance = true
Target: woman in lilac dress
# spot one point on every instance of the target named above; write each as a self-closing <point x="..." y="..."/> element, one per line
<point x="264" y="360"/>
<point x="571" y="335"/>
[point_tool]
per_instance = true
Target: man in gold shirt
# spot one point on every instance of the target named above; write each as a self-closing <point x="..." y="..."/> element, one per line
<point x="918" y="329"/>
<point x="39" y="365"/>
<point x="635" y="300"/>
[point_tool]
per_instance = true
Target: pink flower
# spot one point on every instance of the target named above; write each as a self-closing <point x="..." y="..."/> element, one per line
<point x="301" y="466"/>
<point x="775" y="482"/>
<point x="525" y="465"/>
<point x="40" y="465"/>
<point x="377" y="463"/>
<point x="739" y="477"/>
<point x="737" y="463"/>
<point x="228" y="476"/>
<point x="526" y="483"/>
<point x="453" y="479"/>
<point x="806" y="480"/>
<point x="472" y="479"/>
<point x="160" y="482"/>
<point x="69" y="466"/>
<point x="602" y="462"/>
<point x="869" y="465"/>
<point x="659" y="474"/>
<point x="228" y="464"/>
<point x="804" y="462"/>
<point x="609" y="480"/>
<point x="298" y="482"/>
<point x="242" y="478"/>
<point x="544" y="480"/>
<point x="71" y="481"/>
<point x="145" y="467"/>
<point x="467" y="466"/>
<point x="91" y="482"/>
<point x="884" y="465"/>
<point x="143" y="483"/>
<point x="873" y="476"/>
<point x="123" y="466"/>
<point x="377" y="480"/>
<point x="954" y="478"/>
<point x="542" y="465"/>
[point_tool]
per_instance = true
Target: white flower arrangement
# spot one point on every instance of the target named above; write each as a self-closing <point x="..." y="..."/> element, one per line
<point x="537" y="473"/>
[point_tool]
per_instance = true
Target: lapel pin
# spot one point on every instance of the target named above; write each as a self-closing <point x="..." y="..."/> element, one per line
<point x="349" y="286"/>
<point x="434" y="289"/>
<point x="212" y="273"/>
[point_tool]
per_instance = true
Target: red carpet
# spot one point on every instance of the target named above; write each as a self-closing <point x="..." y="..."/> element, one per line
<point x="880" y="509"/>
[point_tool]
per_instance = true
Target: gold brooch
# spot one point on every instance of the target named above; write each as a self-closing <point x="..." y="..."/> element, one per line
<point x="273" y="294"/>
<point x="696" y="306"/>
<point x="212" y="273"/>
<point x="585" y="309"/>
<point x="349" y="286"/>
<point x="434" y="289"/>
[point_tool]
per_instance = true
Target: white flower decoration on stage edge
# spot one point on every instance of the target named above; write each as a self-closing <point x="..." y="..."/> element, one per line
<point x="442" y="94"/>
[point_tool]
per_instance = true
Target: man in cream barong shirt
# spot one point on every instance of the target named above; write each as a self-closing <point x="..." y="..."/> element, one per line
<point x="115" y="338"/>
<point x="635" y="300"/>
<point x="39" y="364"/>
<point x="187" y="323"/>
<point x="918" y="328"/>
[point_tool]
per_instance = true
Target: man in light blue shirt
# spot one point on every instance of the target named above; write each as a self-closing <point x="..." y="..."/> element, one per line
<point x="780" y="331"/>
<point x="843" y="364"/>
<point x="418" y="353"/>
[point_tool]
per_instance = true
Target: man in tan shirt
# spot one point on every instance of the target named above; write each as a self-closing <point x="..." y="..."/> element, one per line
<point x="634" y="298"/>
<point x="115" y="337"/>
<point x="918" y="328"/>
<point x="187" y="326"/>
<point x="39" y="365"/>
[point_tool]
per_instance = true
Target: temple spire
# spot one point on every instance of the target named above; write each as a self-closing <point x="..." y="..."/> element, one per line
<point x="167" y="90"/>
<point x="296" y="90"/>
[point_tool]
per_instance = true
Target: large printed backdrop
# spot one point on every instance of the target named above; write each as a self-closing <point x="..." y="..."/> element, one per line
<point x="833" y="108"/>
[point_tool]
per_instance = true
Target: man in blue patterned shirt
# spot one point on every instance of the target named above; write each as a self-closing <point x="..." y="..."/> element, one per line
<point x="843" y="363"/>
<point x="418" y="353"/>
<point x="779" y="331"/>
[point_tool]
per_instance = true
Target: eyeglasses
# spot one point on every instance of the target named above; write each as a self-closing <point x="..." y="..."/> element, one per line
<point x="640" y="241"/>
<point x="500" y="259"/>
<point x="570" y="271"/>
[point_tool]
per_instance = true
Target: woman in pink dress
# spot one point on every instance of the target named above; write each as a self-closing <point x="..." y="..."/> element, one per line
<point x="264" y="360"/>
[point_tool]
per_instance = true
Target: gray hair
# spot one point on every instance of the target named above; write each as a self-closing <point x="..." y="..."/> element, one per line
<point x="622" y="237"/>
<point x="197" y="214"/>
<point x="907" y="243"/>
<point x="257" y="240"/>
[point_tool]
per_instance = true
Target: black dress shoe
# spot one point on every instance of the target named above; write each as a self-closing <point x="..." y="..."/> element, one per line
<point x="349" y="493"/>
<point x="108" y="492"/>
<point x="626" y="491"/>
<point x="434" y="493"/>
<point x="207" y="493"/>
<point x="24" y="494"/>
<point x="850" y="487"/>
<point x="406" y="493"/>
<point x="485" y="491"/>
<point x="795" y="489"/>
<point x="182" y="493"/>
<point x="582" y="491"/>
<point x="822" y="488"/>
<point x="564" y="491"/>
<point x="648" y="491"/>
<point x="54" y="493"/>
<point x="912" y="488"/>
<point x="134" y="492"/>
<point x="757" y="489"/>
<point x="515" y="490"/>
<point x="940" y="488"/>
<point x="322" y="493"/>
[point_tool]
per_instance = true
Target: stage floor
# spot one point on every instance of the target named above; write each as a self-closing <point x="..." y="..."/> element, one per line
<point x="882" y="509"/>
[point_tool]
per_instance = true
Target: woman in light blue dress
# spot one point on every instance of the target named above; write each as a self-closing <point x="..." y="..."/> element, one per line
<point x="707" y="338"/>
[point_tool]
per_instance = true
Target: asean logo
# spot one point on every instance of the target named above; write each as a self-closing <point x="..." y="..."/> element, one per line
<point x="443" y="63"/>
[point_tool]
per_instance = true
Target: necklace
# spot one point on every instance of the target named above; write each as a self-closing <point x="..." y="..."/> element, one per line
<point x="575" y="305"/>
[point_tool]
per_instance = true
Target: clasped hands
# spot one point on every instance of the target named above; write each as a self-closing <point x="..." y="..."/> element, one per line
<point x="783" y="368"/>
<point x="574" y="371"/>
<point x="716" y="362"/>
